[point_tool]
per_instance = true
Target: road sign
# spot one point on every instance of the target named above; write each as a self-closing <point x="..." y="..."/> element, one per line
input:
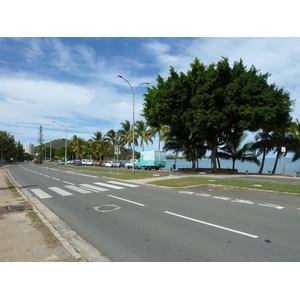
<point x="117" y="150"/>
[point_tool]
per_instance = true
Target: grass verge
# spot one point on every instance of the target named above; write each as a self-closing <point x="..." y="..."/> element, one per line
<point x="49" y="238"/>
<point x="12" y="188"/>
<point x="237" y="183"/>
<point x="115" y="173"/>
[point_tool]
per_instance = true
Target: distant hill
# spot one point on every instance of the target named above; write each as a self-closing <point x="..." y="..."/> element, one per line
<point x="56" y="144"/>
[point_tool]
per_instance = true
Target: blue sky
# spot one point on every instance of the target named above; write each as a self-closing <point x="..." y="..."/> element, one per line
<point x="74" y="80"/>
<point x="49" y="73"/>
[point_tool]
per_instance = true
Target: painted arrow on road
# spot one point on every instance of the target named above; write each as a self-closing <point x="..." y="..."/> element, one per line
<point x="272" y="205"/>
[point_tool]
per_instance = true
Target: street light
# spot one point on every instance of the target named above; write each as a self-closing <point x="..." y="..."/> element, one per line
<point x="66" y="144"/>
<point x="133" y="96"/>
<point x="50" y="148"/>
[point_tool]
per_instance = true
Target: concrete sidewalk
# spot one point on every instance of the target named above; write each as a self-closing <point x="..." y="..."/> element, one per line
<point x="22" y="239"/>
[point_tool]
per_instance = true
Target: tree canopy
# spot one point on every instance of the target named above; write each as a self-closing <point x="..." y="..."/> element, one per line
<point x="209" y="105"/>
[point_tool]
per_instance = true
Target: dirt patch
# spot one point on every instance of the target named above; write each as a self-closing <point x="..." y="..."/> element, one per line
<point x="24" y="237"/>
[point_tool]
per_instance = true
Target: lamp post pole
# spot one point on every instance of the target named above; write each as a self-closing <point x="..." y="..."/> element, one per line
<point x="133" y="100"/>
<point x="66" y="143"/>
<point x="50" y="149"/>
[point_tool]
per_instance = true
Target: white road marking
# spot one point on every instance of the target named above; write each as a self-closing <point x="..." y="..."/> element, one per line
<point x="124" y="184"/>
<point x="243" y="201"/>
<point x="126" y="200"/>
<point x="221" y="198"/>
<point x="203" y="195"/>
<point x="78" y="189"/>
<point x="59" y="191"/>
<point x="68" y="182"/>
<point x="186" y="192"/>
<point x="41" y="194"/>
<point x="47" y="176"/>
<point x="55" y="178"/>
<point x="110" y="185"/>
<point x="213" y="225"/>
<point x="272" y="205"/>
<point x="92" y="187"/>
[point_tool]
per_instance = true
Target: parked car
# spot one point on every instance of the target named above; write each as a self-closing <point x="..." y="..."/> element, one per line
<point x="112" y="164"/>
<point x="87" y="162"/>
<point x="98" y="164"/>
<point x="61" y="162"/>
<point x="70" y="162"/>
<point x="77" y="163"/>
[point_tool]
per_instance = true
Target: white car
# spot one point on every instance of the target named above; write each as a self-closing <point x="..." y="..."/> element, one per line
<point x="87" y="162"/>
<point x="112" y="164"/>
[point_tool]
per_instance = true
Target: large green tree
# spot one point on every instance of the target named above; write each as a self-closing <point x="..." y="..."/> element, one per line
<point x="211" y="103"/>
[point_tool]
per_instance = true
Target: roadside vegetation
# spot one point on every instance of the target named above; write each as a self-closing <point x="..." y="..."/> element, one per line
<point x="206" y="111"/>
<point x="235" y="183"/>
<point x="116" y="173"/>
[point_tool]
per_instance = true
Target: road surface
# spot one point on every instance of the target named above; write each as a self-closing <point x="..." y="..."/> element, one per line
<point x="133" y="222"/>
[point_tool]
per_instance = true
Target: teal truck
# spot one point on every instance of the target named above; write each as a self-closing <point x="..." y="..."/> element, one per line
<point x="151" y="160"/>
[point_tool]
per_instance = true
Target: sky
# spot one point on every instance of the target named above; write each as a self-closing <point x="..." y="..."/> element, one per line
<point x="54" y="67"/>
<point x="74" y="80"/>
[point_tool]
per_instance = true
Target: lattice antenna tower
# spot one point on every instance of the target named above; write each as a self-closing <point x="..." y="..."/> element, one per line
<point x="41" y="143"/>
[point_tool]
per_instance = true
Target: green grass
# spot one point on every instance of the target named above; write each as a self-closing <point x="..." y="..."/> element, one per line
<point x="12" y="188"/>
<point x="128" y="175"/>
<point x="115" y="172"/>
<point x="236" y="183"/>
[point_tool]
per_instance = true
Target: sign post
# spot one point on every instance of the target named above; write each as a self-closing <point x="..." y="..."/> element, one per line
<point x="283" y="150"/>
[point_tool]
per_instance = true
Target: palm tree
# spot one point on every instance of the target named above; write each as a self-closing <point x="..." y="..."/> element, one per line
<point x="126" y="134"/>
<point x="264" y="145"/>
<point x="162" y="132"/>
<point x="144" y="133"/>
<point x="280" y="138"/>
<point x="79" y="147"/>
<point x="295" y="132"/>
<point x="98" y="145"/>
<point x="173" y="143"/>
<point x="233" y="150"/>
<point x="72" y="144"/>
<point x="113" y="138"/>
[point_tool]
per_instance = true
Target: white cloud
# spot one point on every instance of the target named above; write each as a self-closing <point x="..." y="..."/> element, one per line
<point x="99" y="100"/>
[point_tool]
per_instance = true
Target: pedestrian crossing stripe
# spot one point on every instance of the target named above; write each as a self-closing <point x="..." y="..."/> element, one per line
<point x="60" y="191"/>
<point x="41" y="194"/>
<point x="110" y="185"/>
<point x="84" y="188"/>
<point x="78" y="189"/>
<point x="123" y="184"/>
<point x="92" y="187"/>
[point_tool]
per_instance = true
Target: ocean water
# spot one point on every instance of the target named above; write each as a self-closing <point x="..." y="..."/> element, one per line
<point x="290" y="168"/>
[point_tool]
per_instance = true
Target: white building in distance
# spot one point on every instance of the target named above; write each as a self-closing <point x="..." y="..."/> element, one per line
<point x="29" y="148"/>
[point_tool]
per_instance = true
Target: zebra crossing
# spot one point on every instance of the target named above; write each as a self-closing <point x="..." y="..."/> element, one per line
<point x="83" y="188"/>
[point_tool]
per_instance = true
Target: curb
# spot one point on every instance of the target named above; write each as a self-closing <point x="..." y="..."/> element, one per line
<point x="70" y="239"/>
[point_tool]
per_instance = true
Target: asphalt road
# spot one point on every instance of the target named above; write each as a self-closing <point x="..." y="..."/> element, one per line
<point x="144" y="223"/>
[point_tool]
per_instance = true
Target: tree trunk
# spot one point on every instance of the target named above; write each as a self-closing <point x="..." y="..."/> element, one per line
<point x="262" y="162"/>
<point x="276" y="161"/>
<point x="219" y="163"/>
<point x="213" y="158"/>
